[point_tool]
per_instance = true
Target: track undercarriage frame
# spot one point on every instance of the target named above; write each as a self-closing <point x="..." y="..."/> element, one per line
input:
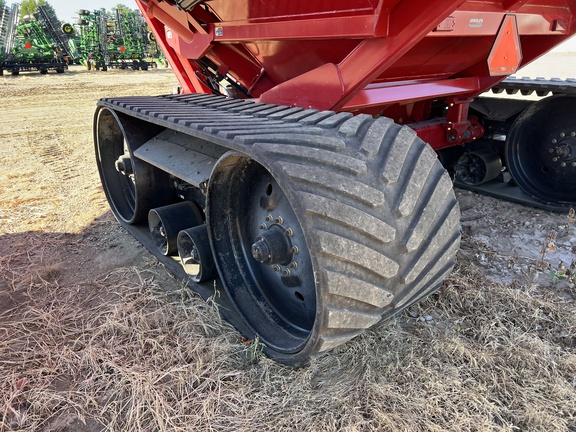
<point x="303" y="172"/>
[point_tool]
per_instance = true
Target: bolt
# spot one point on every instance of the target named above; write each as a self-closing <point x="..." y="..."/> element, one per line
<point x="572" y="134"/>
<point x="295" y="249"/>
<point x="269" y="218"/>
<point x="551" y="150"/>
<point x="286" y="272"/>
<point x="555" y="159"/>
<point x="289" y="232"/>
<point x="563" y="164"/>
<point x="293" y="265"/>
<point x="279" y="220"/>
<point x="263" y="226"/>
<point x="573" y="164"/>
<point x="554" y="141"/>
<point x="562" y="134"/>
<point x="276" y="268"/>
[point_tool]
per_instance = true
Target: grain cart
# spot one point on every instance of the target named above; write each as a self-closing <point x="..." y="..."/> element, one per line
<point x="301" y="179"/>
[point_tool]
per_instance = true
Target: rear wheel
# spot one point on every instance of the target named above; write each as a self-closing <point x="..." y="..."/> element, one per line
<point x="316" y="243"/>
<point x="541" y="151"/>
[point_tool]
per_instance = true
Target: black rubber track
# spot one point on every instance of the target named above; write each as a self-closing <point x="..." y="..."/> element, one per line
<point x="377" y="208"/>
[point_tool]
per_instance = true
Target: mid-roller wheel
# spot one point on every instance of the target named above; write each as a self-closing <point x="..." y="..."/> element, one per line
<point x="541" y="151"/>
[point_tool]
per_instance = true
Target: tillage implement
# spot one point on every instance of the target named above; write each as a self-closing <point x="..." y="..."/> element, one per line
<point x="303" y="177"/>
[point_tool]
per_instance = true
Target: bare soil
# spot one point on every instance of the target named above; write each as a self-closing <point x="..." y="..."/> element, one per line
<point x="96" y="335"/>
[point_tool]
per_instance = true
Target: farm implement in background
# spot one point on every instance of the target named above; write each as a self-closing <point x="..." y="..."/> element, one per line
<point x="38" y="43"/>
<point x="117" y="39"/>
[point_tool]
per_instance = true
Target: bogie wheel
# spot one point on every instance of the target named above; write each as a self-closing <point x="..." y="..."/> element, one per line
<point x="15" y="71"/>
<point x="132" y="186"/>
<point x="316" y="243"/>
<point x="541" y="150"/>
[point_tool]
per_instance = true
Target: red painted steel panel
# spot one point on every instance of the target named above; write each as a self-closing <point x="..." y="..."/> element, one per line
<point x="331" y="54"/>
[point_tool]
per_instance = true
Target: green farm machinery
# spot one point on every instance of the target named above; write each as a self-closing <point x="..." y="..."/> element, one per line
<point x="118" y="39"/>
<point x="37" y="43"/>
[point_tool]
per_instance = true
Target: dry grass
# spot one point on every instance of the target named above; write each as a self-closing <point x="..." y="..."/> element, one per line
<point x="122" y="353"/>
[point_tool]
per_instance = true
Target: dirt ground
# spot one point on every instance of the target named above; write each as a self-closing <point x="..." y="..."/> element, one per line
<point x="66" y="265"/>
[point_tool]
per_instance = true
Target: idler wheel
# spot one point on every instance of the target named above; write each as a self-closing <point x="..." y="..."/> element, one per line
<point x="132" y="186"/>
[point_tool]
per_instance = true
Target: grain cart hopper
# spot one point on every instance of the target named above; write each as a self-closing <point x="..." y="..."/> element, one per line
<point x="298" y="178"/>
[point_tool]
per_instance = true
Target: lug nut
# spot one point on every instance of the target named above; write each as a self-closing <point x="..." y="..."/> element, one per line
<point x="551" y="150"/>
<point x="263" y="226"/>
<point x="279" y="220"/>
<point x="289" y="232"/>
<point x="563" y="164"/>
<point x="293" y="265"/>
<point x="554" y="141"/>
<point x="295" y="249"/>
<point x="276" y="268"/>
<point x="269" y="218"/>
<point x="562" y="135"/>
<point x="572" y="133"/>
<point x="286" y="272"/>
<point x="573" y="164"/>
<point x="555" y="159"/>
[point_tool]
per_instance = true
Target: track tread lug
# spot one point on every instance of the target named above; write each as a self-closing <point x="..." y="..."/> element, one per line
<point x="324" y="179"/>
<point x="396" y="155"/>
<point x="351" y="127"/>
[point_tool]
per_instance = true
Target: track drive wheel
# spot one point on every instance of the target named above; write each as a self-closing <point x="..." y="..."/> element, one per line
<point x="132" y="186"/>
<point x="541" y="151"/>
<point x="315" y="243"/>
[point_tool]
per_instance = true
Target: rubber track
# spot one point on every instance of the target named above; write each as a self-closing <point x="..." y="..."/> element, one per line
<point x="377" y="207"/>
<point x="541" y="86"/>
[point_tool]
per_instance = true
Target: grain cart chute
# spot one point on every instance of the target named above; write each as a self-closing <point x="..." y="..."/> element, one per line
<point x="296" y="177"/>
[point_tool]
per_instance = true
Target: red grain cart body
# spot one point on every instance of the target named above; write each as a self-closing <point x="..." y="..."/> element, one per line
<point x="304" y="172"/>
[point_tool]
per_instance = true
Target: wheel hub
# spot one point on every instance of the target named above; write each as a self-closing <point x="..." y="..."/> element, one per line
<point x="273" y="246"/>
<point x="564" y="150"/>
<point x="124" y="165"/>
